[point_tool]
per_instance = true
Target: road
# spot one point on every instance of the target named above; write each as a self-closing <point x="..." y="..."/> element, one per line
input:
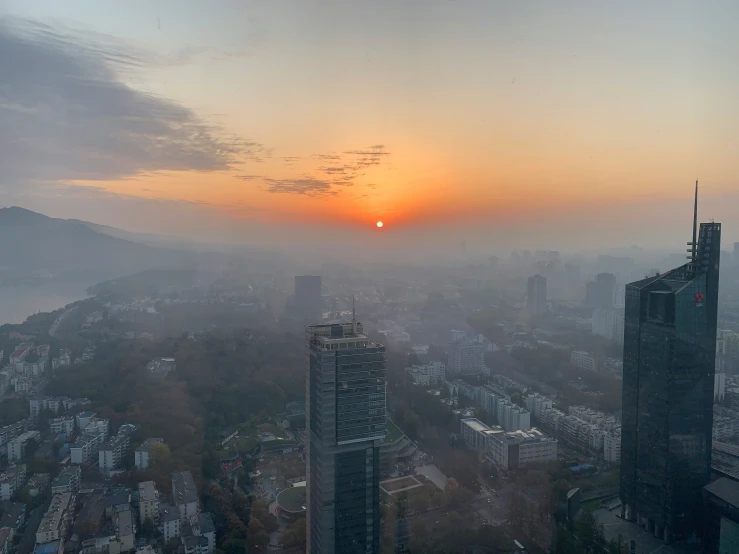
<point x="58" y="321"/>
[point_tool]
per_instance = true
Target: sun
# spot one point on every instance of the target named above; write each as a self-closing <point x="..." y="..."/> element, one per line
<point x="379" y="224"/>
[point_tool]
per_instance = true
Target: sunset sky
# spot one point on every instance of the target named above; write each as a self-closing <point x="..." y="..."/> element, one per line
<point x="509" y="124"/>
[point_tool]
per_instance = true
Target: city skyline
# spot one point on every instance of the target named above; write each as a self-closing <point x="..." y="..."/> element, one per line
<point x="447" y="121"/>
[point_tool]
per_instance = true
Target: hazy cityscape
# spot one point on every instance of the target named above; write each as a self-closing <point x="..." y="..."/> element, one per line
<point x="410" y="278"/>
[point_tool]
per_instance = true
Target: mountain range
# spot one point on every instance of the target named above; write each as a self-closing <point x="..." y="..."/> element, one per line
<point x="34" y="246"/>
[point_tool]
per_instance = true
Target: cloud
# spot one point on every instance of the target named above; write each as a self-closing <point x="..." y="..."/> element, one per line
<point x="370" y="156"/>
<point x="249" y="177"/>
<point x="65" y="113"/>
<point x="306" y="186"/>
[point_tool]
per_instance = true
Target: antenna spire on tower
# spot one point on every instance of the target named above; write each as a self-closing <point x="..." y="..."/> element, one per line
<point x="695" y="224"/>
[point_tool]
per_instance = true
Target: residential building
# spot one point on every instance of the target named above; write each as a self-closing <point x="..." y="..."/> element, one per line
<point x="512" y="417"/>
<point x="97" y="426"/>
<point x="169" y="516"/>
<point x="161" y="367"/>
<point x="14" y="516"/>
<point x="535" y="403"/>
<point x="608" y="324"/>
<point x="83" y="419"/>
<point x="612" y="446"/>
<point x="125" y="529"/>
<point x="9" y="432"/>
<point x="37" y="484"/>
<point x="148" y="501"/>
<point x="584" y="360"/>
<point x="185" y="494"/>
<point x="12" y="480"/>
<point x="20" y="353"/>
<point x="668" y="383"/>
<point x="62" y="424"/>
<point x="56" y="520"/>
<point x="519" y="448"/>
<point x="142" y="454"/>
<point x="308" y="300"/>
<point x="111" y="452"/>
<point x="68" y="480"/>
<point x="86" y="445"/>
<point x="428" y="375"/>
<point x="202" y="526"/>
<point x="719" y="386"/>
<point x="194" y="544"/>
<point x="536" y="294"/>
<point x="465" y="358"/>
<point x="346" y="417"/>
<point x="17" y="446"/>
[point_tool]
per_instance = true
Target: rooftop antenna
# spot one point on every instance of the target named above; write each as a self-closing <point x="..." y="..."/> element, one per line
<point x="694" y="244"/>
<point x="354" y="317"/>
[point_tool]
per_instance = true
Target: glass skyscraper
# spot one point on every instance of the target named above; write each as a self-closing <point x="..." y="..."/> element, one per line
<point x="346" y="423"/>
<point x="668" y="373"/>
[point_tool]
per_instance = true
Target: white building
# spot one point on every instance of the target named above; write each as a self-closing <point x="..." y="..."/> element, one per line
<point x="584" y="360"/>
<point x="142" y="455"/>
<point x="550" y="419"/>
<point x="12" y="480"/>
<point x="148" y="501"/>
<point x="466" y="358"/>
<point x="428" y="374"/>
<point x="612" y="446"/>
<point x="82" y="451"/>
<point x="62" y="424"/>
<point x="17" y="446"/>
<point x="535" y="403"/>
<point x="512" y="417"/>
<point x="475" y="433"/>
<point x="719" y="386"/>
<point x="518" y="448"/>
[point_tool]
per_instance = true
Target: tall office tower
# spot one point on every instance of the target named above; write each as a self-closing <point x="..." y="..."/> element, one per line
<point x="536" y="299"/>
<point x="346" y="422"/>
<point x="308" y="302"/>
<point x="668" y="381"/>
<point x="600" y="293"/>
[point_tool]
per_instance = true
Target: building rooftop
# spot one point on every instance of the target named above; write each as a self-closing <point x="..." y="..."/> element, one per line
<point x="183" y="488"/>
<point x="144" y="446"/>
<point x="124" y="522"/>
<point x="206" y="523"/>
<point x="726" y="489"/>
<point x="168" y="513"/>
<point x="118" y="498"/>
<point x="475" y="425"/>
<point x="147" y="491"/>
<point x="292" y="500"/>
<point x="53" y="516"/>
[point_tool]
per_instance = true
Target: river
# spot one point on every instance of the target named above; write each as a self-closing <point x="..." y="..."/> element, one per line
<point x="17" y="302"/>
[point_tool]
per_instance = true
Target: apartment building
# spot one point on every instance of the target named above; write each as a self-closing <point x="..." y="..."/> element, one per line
<point x="475" y="433"/>
<point x="125" y="529"/>
<point x="11" y="431"/>
<point x="612" y="446"/>
<point x="142" y="454"/>
<point x="57" y="519"/>
<point x="185" y="494"/>
<point x="169" y="516"/>
<point x="512" y="417"/>
<point x="83" y="419"/>
<point x="203" y="526"/>
<point x="17" y="446"/>
<point x="148" y="501"/>
<point x="550" y="419"/>
<point x="427" y="375"/>
<point x="68" y="480"/>
<point x="12" y="480"/>
<point x="536" y="402"/>
<point x="62" y="424"/>
<point x="82" y="451"/>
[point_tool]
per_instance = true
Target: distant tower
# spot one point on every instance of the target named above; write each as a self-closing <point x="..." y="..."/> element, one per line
<point x="668" y="389"/>
<point x="536" y="298"/>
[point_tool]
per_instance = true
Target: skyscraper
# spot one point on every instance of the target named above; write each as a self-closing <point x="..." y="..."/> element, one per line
<point x="346" y="422"/>
<point x="308" y="302"/>
<point x="536" y="298"/>
<point x="668" y="379"/>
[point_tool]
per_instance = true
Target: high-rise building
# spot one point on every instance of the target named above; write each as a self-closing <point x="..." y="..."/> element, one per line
<point x="465" y="357"/>
<point x="308" y="301"/>
<point x="668" y="385"/>
<point x="599" y="294"/>
<point x="536" y="298"/>
<point x="346" y="423"/>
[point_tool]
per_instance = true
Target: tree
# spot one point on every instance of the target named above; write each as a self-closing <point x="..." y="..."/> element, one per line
<point x="410" y="424"/>
<point x="159" y="453"/>
<point x="295" y="535"/>
<point x="257" y="538"/>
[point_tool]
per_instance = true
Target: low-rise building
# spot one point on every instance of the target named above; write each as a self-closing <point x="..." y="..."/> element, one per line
<point x="194" y="544"/>
<point x="37" y="484"/>
<point x="148" y="501"/>
<point x="83" y="419"/>
<point x="17" y="446"/>
<point x="512" y="417"/>
<point x="125" y="529"/>
<point x="142" y="455"/>
<point x="475" y="433"/>
<point x="110" y="453"/>
<point x="68" y="480"/>
<point x="536" y="402"/>
<point x="612" y="446"/>
<point x="9" y="432"/>
<point x="203" y="526"/>
<point x="518" y="448"/>
<point x="584" y="360"/>
<point x="56" y="520"/>
<point x="83" y="449"/>
<point x="12" y="480"/>
<point x="14" y="515"/>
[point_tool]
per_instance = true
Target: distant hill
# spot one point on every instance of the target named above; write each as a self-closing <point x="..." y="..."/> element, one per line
<point x="34" y="245"/>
